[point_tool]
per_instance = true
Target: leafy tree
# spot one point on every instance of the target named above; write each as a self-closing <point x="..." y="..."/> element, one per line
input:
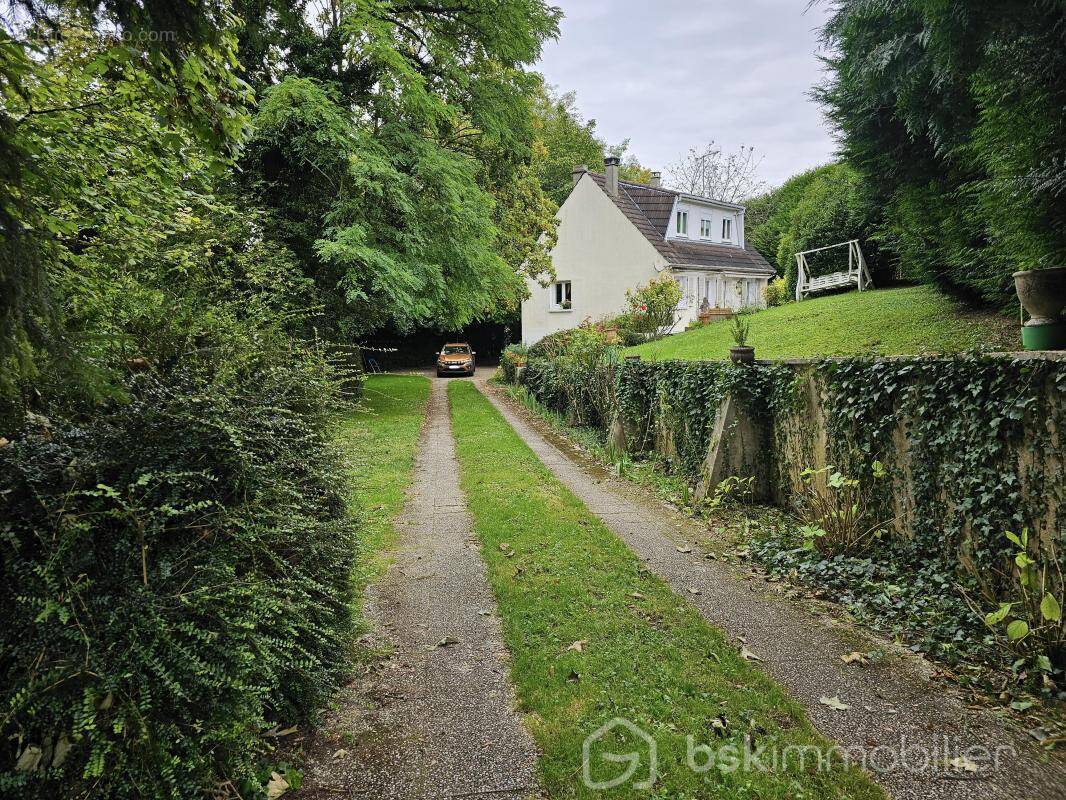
<point x="952" y="114"/>
<point x="567" y="140"/>
<point x="399" y="169"/>
<point x="72" y="76"/>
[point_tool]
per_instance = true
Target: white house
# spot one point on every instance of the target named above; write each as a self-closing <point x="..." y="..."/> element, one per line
<point x="615" y="235"/>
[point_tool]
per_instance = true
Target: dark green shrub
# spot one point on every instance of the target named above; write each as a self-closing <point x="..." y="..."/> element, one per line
<point x="956" y="127"/>
<point x="175" y="577"/>
<point x="573" y="372"/>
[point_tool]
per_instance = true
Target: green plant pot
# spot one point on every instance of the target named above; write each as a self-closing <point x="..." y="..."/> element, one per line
<point x="1051" y="336"/>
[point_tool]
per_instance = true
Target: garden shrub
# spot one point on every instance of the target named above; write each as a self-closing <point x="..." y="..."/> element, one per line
<point x="513" y="357"/>
<point x="175" y="573"/>
<point x="653" y="307"/>
<point x="578" y="377"/>
<point x="776" y="292"/>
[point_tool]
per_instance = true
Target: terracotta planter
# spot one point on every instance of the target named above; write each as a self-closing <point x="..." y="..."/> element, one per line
<point x="742" y="355"/>
<point x="715" y="314"/>
<point x="1042" y="292"/>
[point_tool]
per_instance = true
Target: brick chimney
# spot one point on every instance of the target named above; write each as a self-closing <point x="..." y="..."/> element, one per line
<point x="610" y="165"/>
<point x="577" y="172"/>
<point x="656" y="181"/>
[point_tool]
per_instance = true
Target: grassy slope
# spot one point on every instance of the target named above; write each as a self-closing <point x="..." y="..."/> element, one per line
<point x="379" y="440"/>
<point x="560" y="576"/>
<point x="882" y="321"/>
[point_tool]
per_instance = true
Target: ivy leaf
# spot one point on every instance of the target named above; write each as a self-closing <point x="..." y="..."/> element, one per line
<point x="1017" y="629"/>
<point x="1050" y="608"/>
<point x="1000" y="614"/>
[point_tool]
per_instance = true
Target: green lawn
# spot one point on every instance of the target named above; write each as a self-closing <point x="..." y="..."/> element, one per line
<point x="561" y="577"/>
<point x="379" y="441"/>
<point x="911" y="320"/>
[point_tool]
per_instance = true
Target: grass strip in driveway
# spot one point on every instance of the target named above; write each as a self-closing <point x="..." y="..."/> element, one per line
<point x="596" y="637"/>
<point x="379" y="440"/>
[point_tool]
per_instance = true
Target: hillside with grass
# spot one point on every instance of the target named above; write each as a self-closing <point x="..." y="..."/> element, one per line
<point x="910" y="320"/>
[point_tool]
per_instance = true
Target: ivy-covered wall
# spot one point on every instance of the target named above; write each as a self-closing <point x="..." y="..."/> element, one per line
<point x="971" y="445"/>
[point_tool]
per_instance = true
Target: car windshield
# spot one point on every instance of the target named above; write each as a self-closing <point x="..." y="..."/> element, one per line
<point x="452" y="349"/>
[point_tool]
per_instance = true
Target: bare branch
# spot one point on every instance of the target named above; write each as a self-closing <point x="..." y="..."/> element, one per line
<point x="710" y="172"/>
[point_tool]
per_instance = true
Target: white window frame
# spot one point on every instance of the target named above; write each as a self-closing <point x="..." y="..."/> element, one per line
<point x="681" y="223"/>
<point x="563" y="290"/>
<point x="706" y="228"/>
<point x="727" y="229"/>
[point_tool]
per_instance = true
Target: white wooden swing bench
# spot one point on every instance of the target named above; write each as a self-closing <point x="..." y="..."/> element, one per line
<point x="857" y="272"/>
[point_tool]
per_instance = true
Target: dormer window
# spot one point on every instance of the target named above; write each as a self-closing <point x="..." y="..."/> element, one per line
<point x="727" y="230"/>
<point x="682" y="223"/>
<point x="705" y="229"/>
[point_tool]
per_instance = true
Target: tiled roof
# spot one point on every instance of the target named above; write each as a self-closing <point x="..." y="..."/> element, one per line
<point x="655" y="203"/>
<point x="736" y="259"/>
<point x="649" y="210"/>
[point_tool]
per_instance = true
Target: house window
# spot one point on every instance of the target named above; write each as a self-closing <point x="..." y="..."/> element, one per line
<point x="727" y="230"/>
<point x="560" y="296"/>
<point x="682" y="223"/>
<point x="705" y="228"/>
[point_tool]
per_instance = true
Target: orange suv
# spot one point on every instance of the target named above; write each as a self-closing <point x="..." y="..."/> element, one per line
<point x="455" y="359"/>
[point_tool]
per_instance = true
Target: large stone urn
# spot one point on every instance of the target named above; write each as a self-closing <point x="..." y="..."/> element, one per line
<point x="1042" y="292"/>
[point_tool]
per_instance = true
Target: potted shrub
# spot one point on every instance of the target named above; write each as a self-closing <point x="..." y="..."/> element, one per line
<point x="1042" y="293"/>
<point x="741" y="352"/>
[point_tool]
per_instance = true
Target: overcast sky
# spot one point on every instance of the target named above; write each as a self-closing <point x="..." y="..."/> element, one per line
<point x="673" y="74"/>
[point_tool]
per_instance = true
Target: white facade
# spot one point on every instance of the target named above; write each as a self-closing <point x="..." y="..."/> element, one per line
<point x="601" y="254"/>
<point x="721" y="289"/>
<point x="724" y="222"/>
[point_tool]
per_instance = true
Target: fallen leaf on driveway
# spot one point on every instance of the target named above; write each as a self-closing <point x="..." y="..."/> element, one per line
<point x="276" y="786"/>
<point x="447" y="640"/>
<point x="834" y="703"/>
<point x="485" y="613"/>
<point x="961" y="763"/>
<point x="340" y="753"/>
<point x="855" y="657"/>
<point x="684" y="548"/>
<point x="693" y="590"/>
<point x="578" y="646"/>
<point x="747" y="655"/>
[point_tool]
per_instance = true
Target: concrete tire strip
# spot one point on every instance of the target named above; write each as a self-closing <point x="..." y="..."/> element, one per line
<point x="441" y="721"/>
<point x="896" y="712"/>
